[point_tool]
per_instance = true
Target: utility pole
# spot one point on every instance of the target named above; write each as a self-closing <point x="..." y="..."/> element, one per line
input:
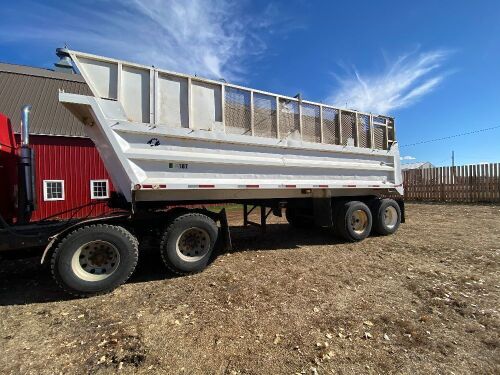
<point x="453" y="158"/>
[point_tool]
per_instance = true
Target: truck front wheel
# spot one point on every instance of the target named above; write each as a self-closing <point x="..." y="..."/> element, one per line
<point x="188" y="243"/>
<point x="94" y="259"/>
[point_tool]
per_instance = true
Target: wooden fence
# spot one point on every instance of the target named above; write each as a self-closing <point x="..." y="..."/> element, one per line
<point x="467" y="183"/>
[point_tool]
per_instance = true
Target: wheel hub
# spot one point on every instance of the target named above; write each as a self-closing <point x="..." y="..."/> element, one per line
<point x="359" y="221"/>
<point x="390" y="217"/>
<point x="193" y="244"/>
<point x="95" y="260"/>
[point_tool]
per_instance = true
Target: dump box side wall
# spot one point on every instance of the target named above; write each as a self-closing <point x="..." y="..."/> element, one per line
<point x="140" y="157"/>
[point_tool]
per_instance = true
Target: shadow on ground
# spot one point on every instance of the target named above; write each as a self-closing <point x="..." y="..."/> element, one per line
<point x="26" y="281"/>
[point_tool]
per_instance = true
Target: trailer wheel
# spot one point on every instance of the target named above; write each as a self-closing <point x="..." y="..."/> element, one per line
<point x="387" y="216"/>
<point x="94" y="259"/>
<point x="353" y="221"/>
<point x="297" y="220"/>
<point x="188" y="243"/>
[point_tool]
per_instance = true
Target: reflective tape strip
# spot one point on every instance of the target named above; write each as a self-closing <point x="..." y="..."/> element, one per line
<point x="151" y="186"/>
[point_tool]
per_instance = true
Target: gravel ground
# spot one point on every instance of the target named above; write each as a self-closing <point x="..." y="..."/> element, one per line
<point x="424" y="300"/>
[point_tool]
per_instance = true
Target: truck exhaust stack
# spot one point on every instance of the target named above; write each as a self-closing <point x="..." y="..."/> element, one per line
<point x="26" y="202"/>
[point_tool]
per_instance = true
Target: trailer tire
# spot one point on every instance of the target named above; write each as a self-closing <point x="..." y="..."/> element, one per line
<point x="353" y="220"/>
<point x="387" y="216"/>
<point x="296" y="220"/>
<point x="94" y="259"/>
<point x="188" y="243"/>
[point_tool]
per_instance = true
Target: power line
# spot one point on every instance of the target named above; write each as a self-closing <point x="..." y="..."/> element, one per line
<point x="451" y="136"/>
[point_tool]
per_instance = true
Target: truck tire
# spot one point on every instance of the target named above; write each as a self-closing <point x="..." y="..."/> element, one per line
<point x="387" y="216"/>
<point x="295" y="219"/>
<point x="188" y="243"/>
<point x="353" y="221"/>
<point x="94" y="259"/>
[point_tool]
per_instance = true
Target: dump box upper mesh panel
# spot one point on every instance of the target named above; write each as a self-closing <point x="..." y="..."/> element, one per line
<point x="237" y="111"/>
<point x="311" y="123"/>
<point x="265" y="122"/>
<point x="330" y="125"/>
<point x="379" y="137"/>
<point x="333" y="126"/>
<point x="364" y="130"/>
<point x="289" y="119"/>
<point x="391" y="132"/>
<point x="348" y="126"/>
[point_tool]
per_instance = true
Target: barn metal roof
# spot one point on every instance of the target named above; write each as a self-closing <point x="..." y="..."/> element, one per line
<point x="20" y="85"/>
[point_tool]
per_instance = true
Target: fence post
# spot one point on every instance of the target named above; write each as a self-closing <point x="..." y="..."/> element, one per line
<point x="441" y="181"/>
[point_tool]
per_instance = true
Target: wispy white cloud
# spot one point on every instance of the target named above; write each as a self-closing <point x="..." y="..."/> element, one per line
<point x="402" y="83"/>
<point x="408" y="157"/>
<point x="209" y="38"/>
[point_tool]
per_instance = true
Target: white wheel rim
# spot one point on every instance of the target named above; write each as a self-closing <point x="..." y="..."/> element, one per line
<point x="390" y="217"/>
<point x="95" y="260"/>
<point x="193" y="244"/>
<point x="359" y="221"/>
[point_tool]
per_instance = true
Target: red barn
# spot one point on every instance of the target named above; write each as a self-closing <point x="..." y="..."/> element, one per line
<point x="70" y="178"/>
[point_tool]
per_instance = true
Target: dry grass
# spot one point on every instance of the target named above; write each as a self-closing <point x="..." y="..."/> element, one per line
<point x="425" y="300"/>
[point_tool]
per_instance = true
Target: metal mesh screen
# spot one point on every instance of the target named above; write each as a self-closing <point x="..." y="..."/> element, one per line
<point x="390" y="130"/>
<point x="311" y="123"/>
<point x="379" y="137"/>
<point x="348" y="126"/>
<point x="330" y="128"/>
<point x="264" y="116"/>
<point x="289" y="119"/>
<point x="364" y="130"/>
<point x="237" y="111"/>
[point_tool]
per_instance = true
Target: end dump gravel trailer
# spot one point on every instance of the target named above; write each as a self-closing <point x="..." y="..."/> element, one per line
<point x="170" y="141"/>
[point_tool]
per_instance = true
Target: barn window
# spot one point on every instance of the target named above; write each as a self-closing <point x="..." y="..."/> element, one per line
<point x="99" y="189"/>
<point x="53" y="190"/>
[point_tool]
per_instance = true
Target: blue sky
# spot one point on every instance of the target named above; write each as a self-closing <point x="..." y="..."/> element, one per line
<point x="434" y="65"/>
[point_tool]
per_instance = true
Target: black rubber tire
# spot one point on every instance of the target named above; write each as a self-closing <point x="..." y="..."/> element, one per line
<point x="342" y="225"/>
<point x="296" y="220"/>
<point x="122" y="239"/>
<point x="378" y="211"/>
<point x="168" y="247"/>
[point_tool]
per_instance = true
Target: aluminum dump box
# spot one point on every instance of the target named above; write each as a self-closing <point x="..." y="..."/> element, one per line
<point x="166" y="136"/>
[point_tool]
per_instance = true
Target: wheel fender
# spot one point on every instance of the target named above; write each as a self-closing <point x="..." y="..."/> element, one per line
<point x="53" y="239"/>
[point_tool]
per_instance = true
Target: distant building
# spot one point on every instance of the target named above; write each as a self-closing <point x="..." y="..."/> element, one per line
<point x="421" y="165"/>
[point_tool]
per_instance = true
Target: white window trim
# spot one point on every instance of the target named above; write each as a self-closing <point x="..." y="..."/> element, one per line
<point x="46" y="198"/>
<point x="92" y="189"/>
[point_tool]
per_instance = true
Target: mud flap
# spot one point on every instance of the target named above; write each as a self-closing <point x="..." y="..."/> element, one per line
<point x="401" y="204"/>
<point x="224" y="240"/>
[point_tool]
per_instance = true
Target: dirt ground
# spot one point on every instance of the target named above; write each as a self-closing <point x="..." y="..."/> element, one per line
<point x="424" y="300"/>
